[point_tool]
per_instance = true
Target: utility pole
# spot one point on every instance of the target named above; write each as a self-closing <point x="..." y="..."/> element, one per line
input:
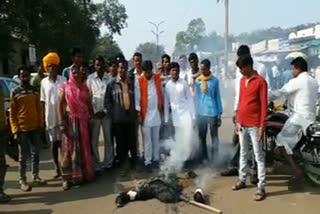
<point x="226" y="36"/>
<point x="157" y="33"/>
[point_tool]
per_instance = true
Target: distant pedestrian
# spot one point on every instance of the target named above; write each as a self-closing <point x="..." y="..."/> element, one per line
<point x="77" y="58"/>
<point x="194" y="71"/>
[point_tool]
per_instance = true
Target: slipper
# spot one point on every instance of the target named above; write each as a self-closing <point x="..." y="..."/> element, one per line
<point x="259" y="195"/>
<point x="239" y="185"/>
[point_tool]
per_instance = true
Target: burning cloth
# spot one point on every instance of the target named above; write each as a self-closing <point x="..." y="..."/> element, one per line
<point x="165" y="189"/>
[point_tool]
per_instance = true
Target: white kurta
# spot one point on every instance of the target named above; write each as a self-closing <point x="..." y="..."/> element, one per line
<point x="302" y="95"/>
<point x="49" y="94"/>
<point x="178" y="98"/>
<point x="153" y="115"/>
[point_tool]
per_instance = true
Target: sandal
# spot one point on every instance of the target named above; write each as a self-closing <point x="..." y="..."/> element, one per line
<point x="259" y="195"/>
<point x="4" y="198"/>
<point x="239" y="185"/>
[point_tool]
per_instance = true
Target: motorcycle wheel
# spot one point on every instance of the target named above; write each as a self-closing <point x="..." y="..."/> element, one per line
<point x="313" y="173"/>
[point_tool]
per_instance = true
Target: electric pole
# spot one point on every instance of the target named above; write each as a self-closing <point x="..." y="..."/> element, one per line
<point x="157" y="33"/>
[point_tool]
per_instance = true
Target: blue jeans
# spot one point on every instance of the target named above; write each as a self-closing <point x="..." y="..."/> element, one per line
<point x="245" y="134"/>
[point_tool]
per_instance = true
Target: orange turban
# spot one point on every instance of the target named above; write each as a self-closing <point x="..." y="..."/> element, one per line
<point x="50" y="58"/>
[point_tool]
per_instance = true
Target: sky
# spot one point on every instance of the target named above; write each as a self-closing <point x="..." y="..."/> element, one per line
<point x="245" y="16"/>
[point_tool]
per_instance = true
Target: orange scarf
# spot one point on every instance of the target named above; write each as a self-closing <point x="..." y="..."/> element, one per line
<point x="204" y="84"/>
<point x="143" y="81"/>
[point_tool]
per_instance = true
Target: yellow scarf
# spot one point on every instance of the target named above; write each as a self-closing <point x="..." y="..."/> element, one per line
<point x="204" y="84"/>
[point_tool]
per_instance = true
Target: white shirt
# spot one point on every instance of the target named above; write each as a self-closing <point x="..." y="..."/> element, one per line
<point x="183" y="74"/>
<point x="49" y="94"/>
<point x="97" y="88"/>
<point x="178" y="97"/>
<point x="302" y="92"/>
<point x="260" y="68"/>
<point x="275" y="71"/>
<point x="317" y="76"/>
<point x="152" y="118"/>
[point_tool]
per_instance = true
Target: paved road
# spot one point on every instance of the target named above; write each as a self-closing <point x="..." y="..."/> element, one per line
<point x="98" y="197"/>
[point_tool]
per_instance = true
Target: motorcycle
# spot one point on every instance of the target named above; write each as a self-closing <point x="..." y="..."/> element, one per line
<point x="306" y="152"/>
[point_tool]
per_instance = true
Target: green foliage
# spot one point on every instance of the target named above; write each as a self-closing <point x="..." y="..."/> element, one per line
<point x="106" y="47"/>
<point x="187" y="41"/>
<point x="149" y="51"/>
<point x="61" y="24"/>
<point x="195" y="39"/>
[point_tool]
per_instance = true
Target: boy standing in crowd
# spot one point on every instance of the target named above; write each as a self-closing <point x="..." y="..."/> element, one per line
<point x="252" y="112"/>
<point x="26" y="120"/>
<point x="208" y="107"/>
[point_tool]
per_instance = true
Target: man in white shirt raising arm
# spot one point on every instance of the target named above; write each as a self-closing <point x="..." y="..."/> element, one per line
<point x="302" y="92"/>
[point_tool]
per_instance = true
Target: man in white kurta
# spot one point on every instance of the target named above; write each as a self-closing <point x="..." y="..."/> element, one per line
<point x="49" y="95"/>
<point x="151" y="121"/>
<point x="301" y="92"/>
<point x="178" y="98"/>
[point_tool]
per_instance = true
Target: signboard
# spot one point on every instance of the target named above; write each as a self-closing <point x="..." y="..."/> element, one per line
<point x="273" y="45"/>
<point x="259" y="47"/>
<point x="32" y="54"/>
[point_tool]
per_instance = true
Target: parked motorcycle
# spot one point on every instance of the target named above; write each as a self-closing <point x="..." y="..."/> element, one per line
<point x="307" y="151"/>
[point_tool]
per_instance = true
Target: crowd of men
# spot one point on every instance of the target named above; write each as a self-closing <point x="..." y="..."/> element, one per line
<point x="75" y="106"/>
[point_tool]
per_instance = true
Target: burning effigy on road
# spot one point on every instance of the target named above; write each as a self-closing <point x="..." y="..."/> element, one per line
<point x="167" y="189"/>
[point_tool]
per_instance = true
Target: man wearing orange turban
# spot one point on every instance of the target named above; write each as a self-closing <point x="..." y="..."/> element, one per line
<point x="49" y="96"/>
<point x="50" y="58"/>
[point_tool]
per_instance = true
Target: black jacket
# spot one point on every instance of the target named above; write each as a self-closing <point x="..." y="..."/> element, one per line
<point x="114" y="103"/>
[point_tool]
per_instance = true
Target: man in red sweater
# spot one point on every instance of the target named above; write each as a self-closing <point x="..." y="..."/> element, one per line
<point x="252" y="112"/>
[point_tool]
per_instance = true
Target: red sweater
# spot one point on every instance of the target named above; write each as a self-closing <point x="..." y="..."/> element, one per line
<point x="253" y="102"/>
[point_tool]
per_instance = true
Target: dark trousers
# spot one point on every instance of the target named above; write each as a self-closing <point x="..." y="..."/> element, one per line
<point x="126" y="141"/>
<point x="203" y="123"/>
<point x="3" y="163"/>
<point x="29" y="144"/>
<point x="55" y="147"/>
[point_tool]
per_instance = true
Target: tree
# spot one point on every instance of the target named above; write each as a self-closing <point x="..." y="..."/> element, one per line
<point x="149" y="51"/>
<point x="188" y="41"/>
<point x="106" y="47"/>
<point x="58" y="25"/>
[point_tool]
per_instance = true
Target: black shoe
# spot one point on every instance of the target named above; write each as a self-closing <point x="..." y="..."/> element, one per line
<point x="148" y="168"/>
<point x="230" y="172"/>
<point x="156" y="165"/>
